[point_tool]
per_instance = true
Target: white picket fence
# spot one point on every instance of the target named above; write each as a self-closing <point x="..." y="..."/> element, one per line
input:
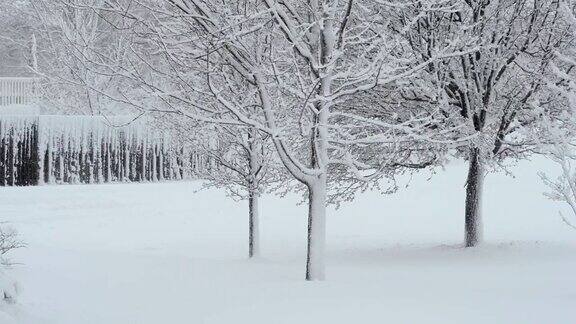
<point x="17" y="91"/>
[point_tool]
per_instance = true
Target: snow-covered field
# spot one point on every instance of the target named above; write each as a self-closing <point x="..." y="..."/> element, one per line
<point x="163" y="253"/>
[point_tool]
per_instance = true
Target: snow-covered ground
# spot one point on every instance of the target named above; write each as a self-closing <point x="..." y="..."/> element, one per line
<point x="164" y="253"/>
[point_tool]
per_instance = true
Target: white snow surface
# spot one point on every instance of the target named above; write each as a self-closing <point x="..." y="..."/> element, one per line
<point x="21" y="109"/>
<point x="163" y="253"/>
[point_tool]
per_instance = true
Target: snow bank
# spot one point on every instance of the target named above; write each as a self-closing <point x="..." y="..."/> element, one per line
<point x="8" y="294"/>
<point x="6" y="319"/>
<point x="8" y="287"/>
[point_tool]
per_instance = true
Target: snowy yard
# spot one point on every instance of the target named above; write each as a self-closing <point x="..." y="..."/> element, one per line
<point x="164" y="253"/>
<point x="321" y="97"/>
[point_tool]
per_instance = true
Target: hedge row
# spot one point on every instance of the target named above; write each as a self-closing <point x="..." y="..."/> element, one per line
<point x="89" y="149"/>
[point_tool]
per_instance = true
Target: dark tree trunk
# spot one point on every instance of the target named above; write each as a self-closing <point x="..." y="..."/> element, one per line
<point x="473" y="221"/>
<point x="253" y="230"/>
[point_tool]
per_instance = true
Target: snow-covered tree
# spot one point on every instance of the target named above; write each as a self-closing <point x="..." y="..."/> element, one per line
<point x="487" y="92"/>
<point x="560" y="130"/>
<point x="16" y="39"/>
<point x="246" y="168"/>
<point x="70" y="35"/>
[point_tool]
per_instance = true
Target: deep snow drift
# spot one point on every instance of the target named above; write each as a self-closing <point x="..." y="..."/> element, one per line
<point x="163" y="253"/>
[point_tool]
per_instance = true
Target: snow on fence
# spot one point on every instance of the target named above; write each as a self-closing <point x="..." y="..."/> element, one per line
<point x="17" y="91"/>
<point x="87" y="149"/>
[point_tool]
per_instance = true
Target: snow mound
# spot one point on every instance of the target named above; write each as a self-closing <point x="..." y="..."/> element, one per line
<point x="6" y="319"/>
<point x="8" y="293"/>
<point x="8" y="288"/>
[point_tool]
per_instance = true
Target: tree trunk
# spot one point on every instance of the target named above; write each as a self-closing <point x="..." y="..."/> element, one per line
<point x="473" y="223"/>
<point x="316" y="230"/>
<point x="253" y="228"/>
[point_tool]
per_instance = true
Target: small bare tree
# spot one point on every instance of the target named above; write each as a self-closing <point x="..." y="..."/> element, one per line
<point x="8" y="242"/>
<point x="246" y="167"/>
